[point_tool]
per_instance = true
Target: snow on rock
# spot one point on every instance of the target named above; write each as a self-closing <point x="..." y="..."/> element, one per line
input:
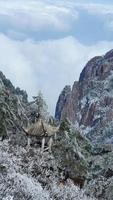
<point x="90" y="103"/>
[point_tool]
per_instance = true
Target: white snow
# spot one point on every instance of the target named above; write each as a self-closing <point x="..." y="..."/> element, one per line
<point x="19" y="184"/>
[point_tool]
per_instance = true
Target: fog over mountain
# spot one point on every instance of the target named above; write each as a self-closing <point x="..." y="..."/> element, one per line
<point x="64" y="152"/>
<point x="45" y="44"/>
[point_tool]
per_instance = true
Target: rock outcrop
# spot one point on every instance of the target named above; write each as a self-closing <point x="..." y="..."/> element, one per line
<point x="63" y="98"/>
<point x="13" y="103"/>
<point x="90" y="102"/>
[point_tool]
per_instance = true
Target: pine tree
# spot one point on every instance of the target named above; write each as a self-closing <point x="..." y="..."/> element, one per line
<point x="42" y="108"/>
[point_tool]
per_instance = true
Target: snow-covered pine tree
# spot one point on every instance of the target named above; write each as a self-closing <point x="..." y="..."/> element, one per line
<point x="42" y="108"/>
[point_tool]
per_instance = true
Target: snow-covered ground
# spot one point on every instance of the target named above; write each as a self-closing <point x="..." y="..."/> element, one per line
<point x="28" y="174"/>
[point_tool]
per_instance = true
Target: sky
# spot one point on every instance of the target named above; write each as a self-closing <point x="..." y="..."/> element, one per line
<point x="45" y="44"/>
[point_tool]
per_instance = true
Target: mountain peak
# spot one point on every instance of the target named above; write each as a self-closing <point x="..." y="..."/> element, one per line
<point x="90" y="103"/>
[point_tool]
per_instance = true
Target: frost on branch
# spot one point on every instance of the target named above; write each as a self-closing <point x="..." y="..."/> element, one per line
<point x="26" y="174"/>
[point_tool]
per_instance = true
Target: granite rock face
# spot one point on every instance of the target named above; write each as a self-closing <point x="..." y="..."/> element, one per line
<point x="63" y="98"/>
<point x="90" y="103"/>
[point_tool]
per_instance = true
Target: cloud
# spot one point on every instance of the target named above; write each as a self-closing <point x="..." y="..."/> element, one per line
<point x="14" y="64"/>
<point x="102" y="11"/>
<point x="33" y="59"/>
<point x="34" y="17"/>
<point x="46" y="65"/>
<point x="97" y="8"/>
<point x="47" y="19"/>
<point x="109" y="25"/>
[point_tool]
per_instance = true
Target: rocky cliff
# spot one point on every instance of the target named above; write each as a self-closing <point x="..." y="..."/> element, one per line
<point x="89" y="105"/>
<point x="63" y="98"/>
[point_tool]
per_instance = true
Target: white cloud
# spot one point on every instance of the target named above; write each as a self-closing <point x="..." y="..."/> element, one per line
<point x="102" y="11"/>
<point x="46" y="65"/>
<point x="96" y="8"/>
<point x="40" y="19"/>
<point x="14" y="64"/>
<point x="35" y="16"/>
